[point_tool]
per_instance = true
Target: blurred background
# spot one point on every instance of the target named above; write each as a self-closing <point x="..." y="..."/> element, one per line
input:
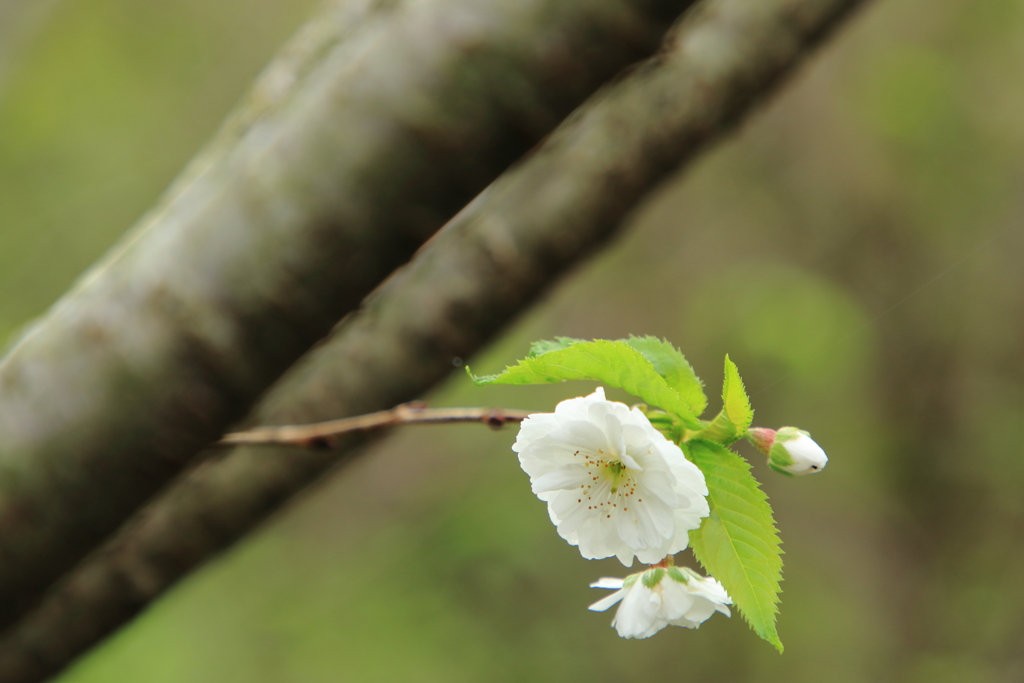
<point x="858" y="250"/>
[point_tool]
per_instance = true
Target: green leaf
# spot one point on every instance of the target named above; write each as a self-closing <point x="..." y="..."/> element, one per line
<point x="736" y="404"/>
<point x="738" y="543"/>
<point x="543" y="346"/>
<point x="732" y="422"/>
<point x="672" y="365"/>
<point x="613" y="363"/>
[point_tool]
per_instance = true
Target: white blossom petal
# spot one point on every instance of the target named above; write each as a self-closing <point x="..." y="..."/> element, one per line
<point x="637" y="616"/>
<point x="607" y="601"/>
<point x="560" y="479"/>
<point x="699" y="612"/>
<point x="630" y="463"/>
<point x="677" y="600"/>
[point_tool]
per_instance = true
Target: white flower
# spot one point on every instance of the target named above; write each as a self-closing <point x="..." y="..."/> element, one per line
<point x="795" y="452"/>
<point x="614" y="484"/>
<point x="660" y="597"/>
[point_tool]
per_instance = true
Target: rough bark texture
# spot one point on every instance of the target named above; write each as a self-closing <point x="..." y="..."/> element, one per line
<point x="462" y="287"/>
<point x="377" y="124"/>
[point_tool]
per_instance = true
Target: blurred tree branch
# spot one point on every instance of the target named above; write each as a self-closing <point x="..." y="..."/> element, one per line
<point x="488" y="264"/>
<point x="375" y="125"/>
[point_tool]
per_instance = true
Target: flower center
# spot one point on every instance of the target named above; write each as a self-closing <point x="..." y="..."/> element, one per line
<point x="609" y="483"/>
<point x="616" y="472"/>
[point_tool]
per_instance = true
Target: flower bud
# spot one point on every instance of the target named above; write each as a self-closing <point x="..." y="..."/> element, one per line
<point x="790" y="451"/>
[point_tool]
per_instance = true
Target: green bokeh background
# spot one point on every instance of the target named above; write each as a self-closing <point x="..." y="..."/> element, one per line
<point x="858" y="250"/>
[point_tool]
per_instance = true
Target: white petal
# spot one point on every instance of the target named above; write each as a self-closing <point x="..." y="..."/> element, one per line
<point x="639" y="512"/>
<point x="572" y="515"/>
<point x="610" y="424"/>
<point x="709" y="589"/>
<point x="688" y="476"/>
<point x="591" y="541"/>
<point x="659" y="487"/>
<point x="609" y="582"/>
<point x="680" y="540"/>
<point x="677" y="600"/>
<point x="568" y="477"/>
<point x="649" y="532"/>
<point x="656" y="626"/>
<point x="582" y="436"/>
<point x="535" y="426"/>
<point x="625" y="554"/>
<point x="555" y="519"/>
<point x="629" y="462"/>
<point x="637" y="615"/>
<point x="607" y="601"/>
<point x="547" y="454"/>
<point x="651" y="555"/>
<point x="628" y="528"/>
<point x="661" y="515"/>
<point x="635" y="436"/>
<point x="576" y="408"/>
<point x="702" y="609"/>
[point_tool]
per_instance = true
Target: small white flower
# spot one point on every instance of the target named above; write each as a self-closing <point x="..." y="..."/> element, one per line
<point x="795" y="452"/>
<point x="660" y="597"/>
<point x="613" y="483"/>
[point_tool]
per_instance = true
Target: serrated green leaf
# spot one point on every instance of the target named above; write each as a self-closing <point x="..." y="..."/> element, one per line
<point x="613" y="363"/>
<point x="735" y="402"/>
<point x="738" y="543"/>
<point x="543" y="346"/>
<point x="732" y="422"/>
<point x="671" y="364"/>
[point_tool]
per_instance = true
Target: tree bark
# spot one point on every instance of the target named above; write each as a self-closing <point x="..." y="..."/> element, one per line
<point x="485" y="266"/>
<point x="374" y="127"/>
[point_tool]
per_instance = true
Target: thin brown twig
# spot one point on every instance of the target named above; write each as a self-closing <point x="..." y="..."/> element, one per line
<point x="320" y="434"/>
